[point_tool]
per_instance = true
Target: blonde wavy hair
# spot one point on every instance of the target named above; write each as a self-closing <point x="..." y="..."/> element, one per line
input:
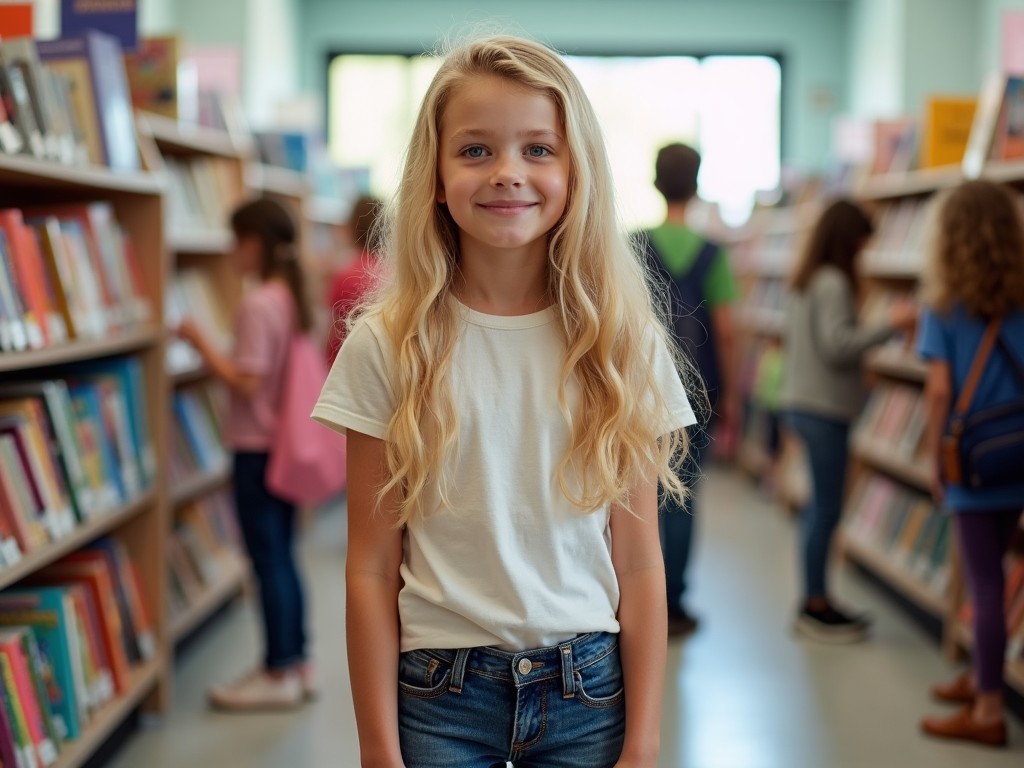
<point x="977" y="251"/>
<point x="604" y="304"/>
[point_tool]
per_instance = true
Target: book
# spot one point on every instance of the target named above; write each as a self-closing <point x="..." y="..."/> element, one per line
<point x="27" y="474"/>
<point x="26" y="268"/>
<point x="96" y="577"/>
<point x="19" y="497"/>
<point x="18" y="105"/>
<point x="12" y="649"/>
<point x="947" y="128"/>
<point x="152" y="72"/>
<point x="983" y="126"/>
<point x="24" y="745"/>
<point x="93" y="63"/>
<point x="1008" y="143"/>
<point x="48" y="612"/>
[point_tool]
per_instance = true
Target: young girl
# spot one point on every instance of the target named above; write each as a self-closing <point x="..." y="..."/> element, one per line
<point x="821" y="395"/>
<point x="976" y="274"/>
<point x="511" y="405"/>
<point x="265" y="249"/>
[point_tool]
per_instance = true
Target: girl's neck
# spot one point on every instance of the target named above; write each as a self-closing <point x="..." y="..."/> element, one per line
<point x="496" y="286"/>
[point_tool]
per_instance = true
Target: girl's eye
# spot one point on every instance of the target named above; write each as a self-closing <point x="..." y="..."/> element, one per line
<point x="473" y="152"/>
<point x="538" y="151"/>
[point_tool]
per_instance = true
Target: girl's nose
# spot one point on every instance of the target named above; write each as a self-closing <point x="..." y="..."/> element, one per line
<point x="507" y="173"/>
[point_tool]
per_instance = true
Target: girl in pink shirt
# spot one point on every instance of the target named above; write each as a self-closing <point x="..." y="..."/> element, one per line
<point x="264" y="250"/>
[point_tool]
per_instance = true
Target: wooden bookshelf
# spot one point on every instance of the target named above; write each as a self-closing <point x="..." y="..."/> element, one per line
<point x="898" y="364"/>
<point x="876" y="455"/>
<point x="204" y="246"/>
<point x="901" y="579"/>
<point x="231" y="582"/>
<point x="144" y="680"/>
<point x="141" y="524"/>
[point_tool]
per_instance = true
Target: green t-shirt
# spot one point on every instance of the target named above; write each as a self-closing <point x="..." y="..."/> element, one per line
<point x="679" y="246"/>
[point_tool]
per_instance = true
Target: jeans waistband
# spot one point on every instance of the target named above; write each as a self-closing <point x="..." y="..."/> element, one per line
<point x="525" y="667"/>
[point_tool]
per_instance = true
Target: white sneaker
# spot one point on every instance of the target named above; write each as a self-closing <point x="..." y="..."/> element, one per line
<point x="259" y="691"/>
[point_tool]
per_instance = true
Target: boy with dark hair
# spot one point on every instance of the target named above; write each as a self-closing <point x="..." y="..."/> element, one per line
<point x="702" y="287"/>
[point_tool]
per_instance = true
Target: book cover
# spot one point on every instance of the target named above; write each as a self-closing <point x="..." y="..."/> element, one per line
<point x="97" y="577"/>
<point x="61" y="279"/>
<point x="24" y="746"/>
<point x="8" y="740"/>
<point x="11" y="648"/>
<point x="101" y="460"/>
<point x="1009" y="139"/>
<point x="94" y="63"/>
<point x="100" y="554"/>
<point x="28" y="279"/>
<point x="44" y="684"/>
<point x="947" y="128"/>
<point x="95" y="664"/>
<point x="983" y="126"/>
<point x="18" y="105"/>
<point x="13" y="335"/>
<point x="20" y="469"/>
<point x="128" y="373"/>
<point x="153" y="75"/>
<point x="46" y="611"/>
<point x="21" y="52"/>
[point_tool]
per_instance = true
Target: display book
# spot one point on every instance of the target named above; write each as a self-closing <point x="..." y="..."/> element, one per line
<point x="891" y="526"/>
<point x="82" y="432"/>
<point x="204" y="170"/>
<point x="763" y="263"/>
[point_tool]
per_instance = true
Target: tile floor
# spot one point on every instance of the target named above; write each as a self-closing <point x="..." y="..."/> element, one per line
<point x="741" y="693"/>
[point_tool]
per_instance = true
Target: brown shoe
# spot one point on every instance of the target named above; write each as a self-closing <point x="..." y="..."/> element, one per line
<point x="963" y="727"/>
<point x="959" y="691"/>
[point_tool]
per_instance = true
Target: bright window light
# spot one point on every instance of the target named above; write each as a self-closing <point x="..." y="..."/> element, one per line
<point x="728" y="107"/>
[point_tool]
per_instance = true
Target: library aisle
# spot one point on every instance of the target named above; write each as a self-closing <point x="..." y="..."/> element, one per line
<point x="741" y="693"/>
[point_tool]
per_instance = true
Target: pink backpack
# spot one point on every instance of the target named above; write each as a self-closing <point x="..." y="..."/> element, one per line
<point x="307" y="460"/>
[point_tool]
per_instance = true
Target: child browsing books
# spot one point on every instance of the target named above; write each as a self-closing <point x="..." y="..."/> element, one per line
<point x="975" y="277"/>
<point x="821" y="394"/>
<point x="511" y="403"/>
<point x="266" y="249"/>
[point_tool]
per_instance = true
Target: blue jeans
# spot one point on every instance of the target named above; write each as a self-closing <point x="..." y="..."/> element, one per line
<point x="676" y="522"/>
<point x="827" y="446"/>
<point x="268" y="527"/>
<point x="557" y="707"/>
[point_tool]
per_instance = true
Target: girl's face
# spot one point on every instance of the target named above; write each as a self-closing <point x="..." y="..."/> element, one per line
<point x="503" y="166"/>
<point x="246" y="254"/>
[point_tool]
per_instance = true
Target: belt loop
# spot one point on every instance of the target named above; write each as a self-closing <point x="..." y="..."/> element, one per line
<point x="459" y="670"/>
<point x="568" y="678"/>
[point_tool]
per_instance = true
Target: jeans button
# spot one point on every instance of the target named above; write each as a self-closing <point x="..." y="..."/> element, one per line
<point x="525" y="666"/>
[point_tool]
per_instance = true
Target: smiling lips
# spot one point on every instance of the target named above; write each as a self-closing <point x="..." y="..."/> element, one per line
<point x="507" y="207"/>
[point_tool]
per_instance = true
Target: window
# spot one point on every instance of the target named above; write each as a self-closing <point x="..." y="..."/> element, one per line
<point x="727" y="106"/>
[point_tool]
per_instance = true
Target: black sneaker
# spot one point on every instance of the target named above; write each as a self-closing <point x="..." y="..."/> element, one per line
<point x="829" y="625"/>
<point x="681" y="623"/>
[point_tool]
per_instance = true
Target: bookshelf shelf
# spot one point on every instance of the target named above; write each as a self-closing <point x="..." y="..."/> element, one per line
<point x="191" y="139"/>
<point x="881" y="563"/>
<point x="189" y="375"/>
<point x="282" y="182"/>
<point x="80" y="536"/>
<point x="77" y="753"/>
<point x="211" y="242"/>
<point x="883" y="460"/>
<point x="227" y="586"/>
<point x="897" y="363"/>
<point x="18" y="171"/>
<point x="75" y="351"/>
<point x="920" y="182"/>
<point x="1008" y="171"/>
<point x="200" y="485"/>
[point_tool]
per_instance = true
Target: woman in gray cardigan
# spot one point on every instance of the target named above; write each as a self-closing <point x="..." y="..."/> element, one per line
<point x="821" y="394"/>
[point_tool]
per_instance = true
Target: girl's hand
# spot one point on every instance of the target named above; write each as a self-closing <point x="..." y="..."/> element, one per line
<point x="188" y="331"/>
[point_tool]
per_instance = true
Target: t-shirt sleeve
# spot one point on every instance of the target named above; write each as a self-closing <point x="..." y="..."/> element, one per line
<point x="358" y="393"/>
<point x="932" y="338"/>
<point x="720" y="283"/>
<point x="678" y="412"/>
<point x="253" y="351"/>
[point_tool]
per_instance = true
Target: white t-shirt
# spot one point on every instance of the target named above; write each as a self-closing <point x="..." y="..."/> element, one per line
<point x="515" y="564"/>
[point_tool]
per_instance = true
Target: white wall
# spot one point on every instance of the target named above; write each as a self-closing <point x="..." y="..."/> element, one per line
<point x="876" y="58"/>
<point x="989" y="19"/>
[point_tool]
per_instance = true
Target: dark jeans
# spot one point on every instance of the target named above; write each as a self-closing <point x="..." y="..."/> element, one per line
<point x="984" y="539"/>
<point x="827" y="447"/>
<point x="676" y="521"/>
<point x="268" y="527"/>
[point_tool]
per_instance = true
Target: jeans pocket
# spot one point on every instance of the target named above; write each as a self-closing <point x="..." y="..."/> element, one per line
<point x="600" y="684"/>
<point x="423" y="675"/>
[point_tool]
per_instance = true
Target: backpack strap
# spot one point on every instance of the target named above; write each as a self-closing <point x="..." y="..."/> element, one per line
<point x="963" y="403"/>
<point x="1015" y="364"/>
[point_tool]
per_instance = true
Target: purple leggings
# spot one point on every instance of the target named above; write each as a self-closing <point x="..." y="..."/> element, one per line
<point x="984" y="539"/>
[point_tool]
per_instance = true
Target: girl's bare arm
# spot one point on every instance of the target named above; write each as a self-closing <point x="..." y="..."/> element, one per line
<point x="371" y="603"/>
<point x="643" y="617"/>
